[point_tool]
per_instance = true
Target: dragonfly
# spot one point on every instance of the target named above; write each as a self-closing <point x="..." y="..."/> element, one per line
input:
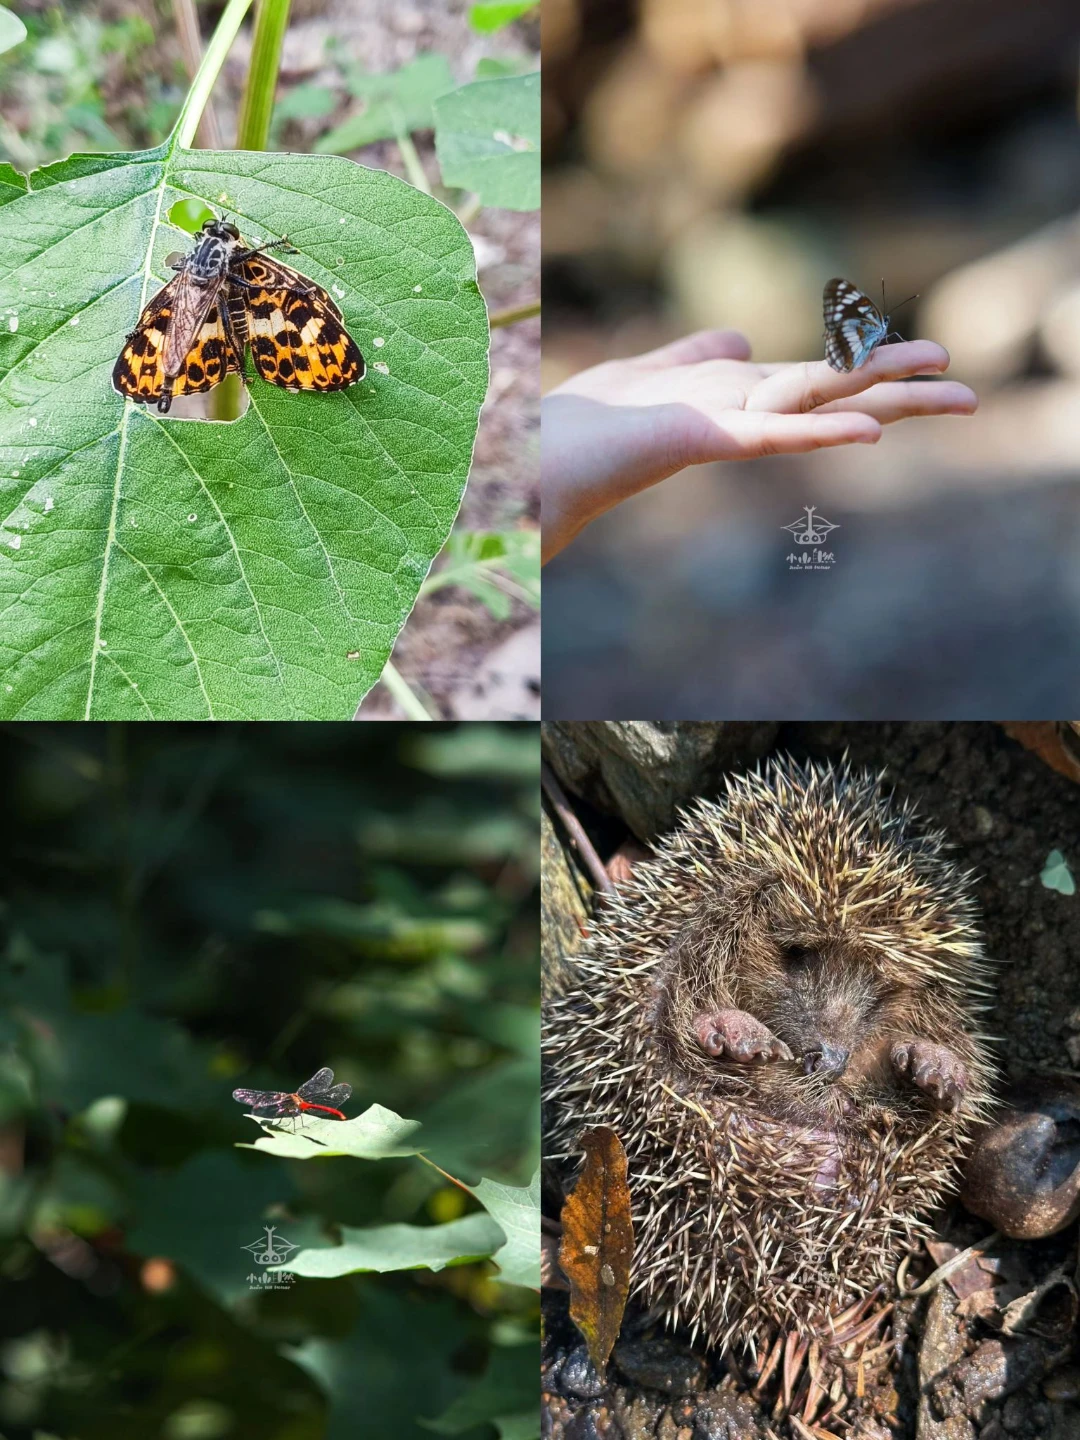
<point x="317" y="1094"/>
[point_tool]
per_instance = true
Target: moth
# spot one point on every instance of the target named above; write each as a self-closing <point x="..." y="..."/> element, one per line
<point x="228" y="297"/>
<point x="854" y="326"/>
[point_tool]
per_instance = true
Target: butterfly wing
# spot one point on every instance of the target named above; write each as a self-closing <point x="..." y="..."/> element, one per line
<point x="139" y="372"/>
<point x="854" y="326"/>
<point x="297" y="336"/>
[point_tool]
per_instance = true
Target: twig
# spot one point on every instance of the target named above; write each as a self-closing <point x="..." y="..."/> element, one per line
<point x="514" y="314"/>
<point x="405" y="696"/>
<point x="576" y="831"/>
<point x="187" y="29"/>
<point x="951" y="1266"/>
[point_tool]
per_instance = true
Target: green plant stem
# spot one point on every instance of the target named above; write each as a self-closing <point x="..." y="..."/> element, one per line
<point x="489" y="570"/>
<point x="410" y="158"/>
<point x="514" y="314"/>
<point x="411" y="703"/>
<point x="219" y="46"/>
<point x="257" y="106"/>
<point x="252" y="131"/>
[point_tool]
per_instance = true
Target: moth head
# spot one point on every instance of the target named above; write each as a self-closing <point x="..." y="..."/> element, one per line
<point x="221" y="230"/>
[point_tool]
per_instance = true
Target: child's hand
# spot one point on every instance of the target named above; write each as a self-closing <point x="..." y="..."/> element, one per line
<point x="622" y="426"/>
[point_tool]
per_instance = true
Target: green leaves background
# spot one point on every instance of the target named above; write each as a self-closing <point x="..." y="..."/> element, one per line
<point x="158" y="568"/>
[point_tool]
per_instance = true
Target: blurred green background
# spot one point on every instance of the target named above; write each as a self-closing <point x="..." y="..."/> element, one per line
<point x="188" y="909"/>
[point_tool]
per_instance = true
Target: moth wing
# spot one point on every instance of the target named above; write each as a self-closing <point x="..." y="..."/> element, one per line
<point x="854" y="327"/>
<point x="296" y="332"/>
<point x="140" y="370"/>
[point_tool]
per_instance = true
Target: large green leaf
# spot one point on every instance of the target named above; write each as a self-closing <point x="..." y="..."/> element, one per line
<point x="394" y="104"/>
<point x="158" y="568"/>
<point x="401" y="1247"/>
<point x="377" y="1134"/>
<point x="488" y="139"/>
<point x="518" y="1212"/>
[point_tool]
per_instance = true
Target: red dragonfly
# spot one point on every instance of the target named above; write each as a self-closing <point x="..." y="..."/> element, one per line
<point x="319" y="1093"/>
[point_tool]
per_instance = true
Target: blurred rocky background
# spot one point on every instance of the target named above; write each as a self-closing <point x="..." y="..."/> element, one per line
<point x="712" y="163"/>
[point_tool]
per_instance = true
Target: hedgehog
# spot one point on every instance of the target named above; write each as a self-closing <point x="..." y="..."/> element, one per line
<point x="779" y="1016"/>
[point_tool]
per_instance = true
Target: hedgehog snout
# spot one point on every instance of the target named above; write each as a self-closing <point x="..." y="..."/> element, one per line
<point x="825" y="1058"/>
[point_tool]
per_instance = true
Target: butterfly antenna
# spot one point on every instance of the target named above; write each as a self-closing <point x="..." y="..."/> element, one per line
<point x="907" y="301"/>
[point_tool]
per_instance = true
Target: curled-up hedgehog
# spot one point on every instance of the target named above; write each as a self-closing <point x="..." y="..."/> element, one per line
<point x="779" y="1016"/>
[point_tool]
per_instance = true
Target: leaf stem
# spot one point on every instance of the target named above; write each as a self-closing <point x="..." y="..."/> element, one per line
<point x="257" y="106"/>
<point x="514" y="314"/>
<point x="219" y="46"/>
<point x="410" y="702"/>
<point x="410" y="158"/>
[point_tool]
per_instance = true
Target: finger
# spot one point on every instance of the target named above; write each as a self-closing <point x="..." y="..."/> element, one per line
<point x="756" y="434"/>
<point x="815" y="383"/>
<point x="900" y="400"/>
<point x="703" y="345"/>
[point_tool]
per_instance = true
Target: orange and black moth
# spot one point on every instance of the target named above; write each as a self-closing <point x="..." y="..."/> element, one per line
<point x="226" y="298"/>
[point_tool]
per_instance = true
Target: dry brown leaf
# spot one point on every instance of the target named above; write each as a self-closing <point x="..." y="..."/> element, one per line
<point x="598" y="1244"/>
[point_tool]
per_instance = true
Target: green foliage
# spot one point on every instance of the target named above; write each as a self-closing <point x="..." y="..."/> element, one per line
<point x="382" y="1248"/>
<point x="488" y="139"/>
<point x="53" y="88"/>
<point x="140" y="983"/>
<point x="494" y="14"/>
<point x="377" y="1134"/>
<point x="495" y="566"/>
<point x="394" y="104"/>
<point x="518" y="1212"/>
<point x="12" y="29"/>
<point x="505" y="1396"/>
<point x="1056" y="874"/>
<point x="160" y="569"/>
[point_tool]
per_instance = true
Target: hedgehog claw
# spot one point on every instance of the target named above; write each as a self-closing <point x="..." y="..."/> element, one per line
<point x="735" y="1035"/>
<point x="934" y="1069"/>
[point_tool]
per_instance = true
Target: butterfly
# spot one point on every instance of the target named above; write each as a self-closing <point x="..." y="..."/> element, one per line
<point x="854" y="326"/>
<point x="225" y="298"/>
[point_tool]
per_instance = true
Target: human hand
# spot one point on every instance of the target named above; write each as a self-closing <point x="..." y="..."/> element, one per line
<point x="620" y="427"/>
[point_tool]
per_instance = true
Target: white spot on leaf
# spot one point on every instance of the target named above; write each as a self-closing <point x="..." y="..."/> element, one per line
<point x="13" y="323"/>
<point x="15" y="541"/>
<point x="378" y="342"/>
<point x="50" y="504"/>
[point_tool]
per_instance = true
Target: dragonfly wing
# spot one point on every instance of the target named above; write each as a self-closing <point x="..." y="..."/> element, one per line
<point x="336" y="1095"/>
<point x="319" y="1083"/>
<point x="259" y="1098"/>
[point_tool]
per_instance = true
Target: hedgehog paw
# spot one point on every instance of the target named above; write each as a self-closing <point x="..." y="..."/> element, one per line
<point x="934" y="1069"/>
<point x="735" y="1035"/>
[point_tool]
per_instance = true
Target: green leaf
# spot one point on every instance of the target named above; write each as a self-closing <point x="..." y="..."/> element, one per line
<point x="377" y="1134"/>
<point x="494" y="14"/>
<point x="395" y="104"/>
<point x="1056" y="874"/>
<point x="204" y="1214"/>
<point x="518" y="1212"/>
<point x="495" y="566"/>
<point x="487" y="135"/>
<point x="12" y="29"/>
<point x="401" y="1247"/>
<point x="505" y="1392"/>
<point x="156" y="568"/>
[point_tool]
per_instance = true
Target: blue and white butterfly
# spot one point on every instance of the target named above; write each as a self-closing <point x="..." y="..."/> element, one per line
<point x="854" y="326"/>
